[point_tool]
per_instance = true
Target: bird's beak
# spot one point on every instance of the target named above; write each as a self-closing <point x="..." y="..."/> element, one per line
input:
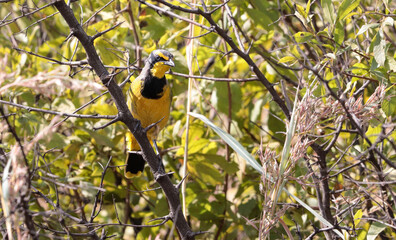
<point x="169" y="63"/>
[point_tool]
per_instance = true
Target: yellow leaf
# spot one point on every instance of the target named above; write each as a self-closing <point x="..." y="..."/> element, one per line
<point x="287" y="59"/>
<point x="357" y="217"/>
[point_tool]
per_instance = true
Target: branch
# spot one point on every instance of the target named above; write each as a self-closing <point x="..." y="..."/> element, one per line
<point x="95" y="13"/>
<point x="4" y="22"/>
<point x="32" y="109"/>
<point x="37" y="22"/>
<point x="99" y="34"/>
<point x="99" y="193"/>
<point x="58" y="209"/>
<point x="114" y="120"/>
<point x="214" y="78"/>
<point x="70" y="63"/>
<point x="171" y="14"/>
<point x="126" y="117"/>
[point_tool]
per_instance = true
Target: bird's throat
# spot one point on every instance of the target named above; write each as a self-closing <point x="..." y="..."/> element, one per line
<point x="159" y="69"/>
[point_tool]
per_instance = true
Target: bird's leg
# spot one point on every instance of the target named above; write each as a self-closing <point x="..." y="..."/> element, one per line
<point x="158" y="154"/>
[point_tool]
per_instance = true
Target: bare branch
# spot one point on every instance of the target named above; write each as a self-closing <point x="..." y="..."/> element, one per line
<point x="99" y="193"/>
<point x="114" y="120"/>
<point x="214" y="78"/>
<point x="96" y="13"/>
<point x="5" y="22"/>
<point x="70" y="63"/>
<point x="32" y="109"/>
<point x="37" y="22"/>
<point x="171" y="14"/>
<point x="105" y="31"/>
<point x="126" y="117"/>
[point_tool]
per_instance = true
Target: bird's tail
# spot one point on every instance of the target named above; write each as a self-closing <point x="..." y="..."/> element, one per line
<point x="134" y="161"/>
<point x="134" y="165"/>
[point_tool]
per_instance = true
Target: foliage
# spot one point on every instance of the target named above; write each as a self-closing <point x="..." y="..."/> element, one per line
<point x="340" y="160"/>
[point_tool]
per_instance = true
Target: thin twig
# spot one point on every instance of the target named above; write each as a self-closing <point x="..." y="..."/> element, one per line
<point x="4" y="22"/>
<point x="96" y="13"/>
<point x="214" y="78"/>
<point x="32" y="109"/>
<point x="99" y="193"/>
<point x="105" y="31"/>
<point x="169" y="13"/>
<point x="37" y="22"/>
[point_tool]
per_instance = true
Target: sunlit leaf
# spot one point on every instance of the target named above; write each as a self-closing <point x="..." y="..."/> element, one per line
<point x="366" y="27"/>
<point x="379" y="50"/>
<point x="287" y="59"/>
<point x="232" y="142"/>
<point x="328" y="11"/>
<point x="346" y="7"/>
<point x="302" y="37"/>
<point x="375" y="229"/>
<point x="357" y="217"/>
<point x="389" y="106"/>
<point x="339" y="33"/>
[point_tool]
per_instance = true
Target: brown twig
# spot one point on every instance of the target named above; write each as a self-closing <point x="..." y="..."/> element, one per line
<point x="32" y="109"/>
<point x="214" y="78"/>
<point x="4" y="22"/>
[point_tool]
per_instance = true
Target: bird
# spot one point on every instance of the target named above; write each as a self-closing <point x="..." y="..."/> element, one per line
<point x="149" y="99"/>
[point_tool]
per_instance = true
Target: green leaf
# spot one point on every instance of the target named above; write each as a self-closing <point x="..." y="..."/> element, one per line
<point x="260" y="18"/>
<point x="287" y="59"/>
<point x="231" y="141"/>
<point x="56" y="140"/>
<point x="101" y="139"/>
<point x="308" y="7"/>
<point x="366" y="27"/>
<point x="362" y="234"/>
<point x="388" y="21"/>
<point x="346" y="7"/>
<point x="339" y="33"/>
<point x="322" y="219"/>
<point x="328" y="11"/>
<point x="375" y="229"/>
<point x="229" y="167"/>
<point x="289" y="136"/>
<point x="390" y="64"/>
<point x="379" y="48"/>
<point x="374" y="65"/>
<point x="245" y="209"/>
<point x="205" y="171"/>
<point x="389" y="106"/>
<point x="222" y="97"/>
<point x="301" y="14"/>
<point x="373" y="133"/>
<point x="256" y="111"/>
<point x="302" y="37"/>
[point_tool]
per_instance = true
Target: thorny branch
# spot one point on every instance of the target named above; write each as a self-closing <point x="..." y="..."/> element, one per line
<point x="125" y="116"/>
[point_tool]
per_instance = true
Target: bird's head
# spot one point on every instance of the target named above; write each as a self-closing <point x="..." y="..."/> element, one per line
<point x="159" y="62"/>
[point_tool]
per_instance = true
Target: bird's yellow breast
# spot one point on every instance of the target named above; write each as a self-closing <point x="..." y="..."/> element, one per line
<point x="150" y="111"/>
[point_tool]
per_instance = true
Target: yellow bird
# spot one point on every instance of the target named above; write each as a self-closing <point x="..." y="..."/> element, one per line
<point x="149" y="99"/>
